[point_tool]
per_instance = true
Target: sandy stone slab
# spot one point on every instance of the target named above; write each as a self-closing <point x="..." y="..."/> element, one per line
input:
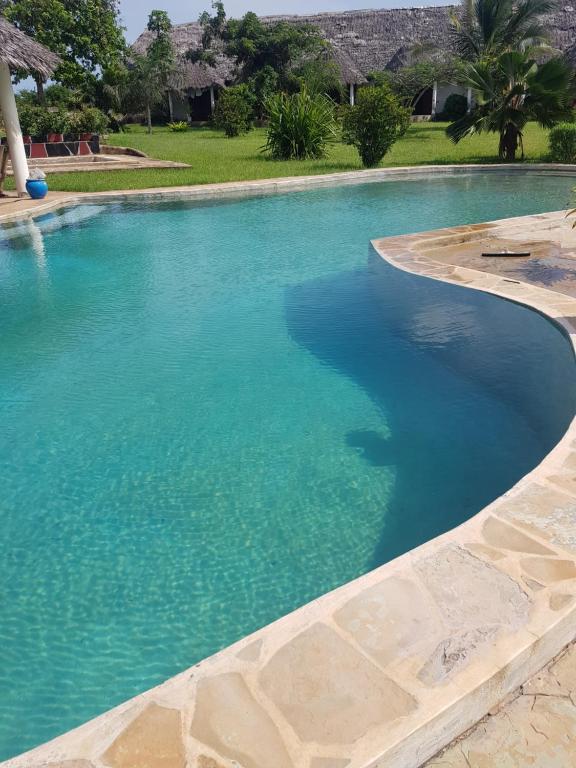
<point x="152" y="740"/>
<point x="328" y="692"/>
<point x="228" y="719"/>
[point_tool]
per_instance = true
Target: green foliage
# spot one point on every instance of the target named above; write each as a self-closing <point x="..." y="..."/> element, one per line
<point x="487" y="28"/>
<point x="455" y="107"/>
<point x="159" y="23"/>
<point x="40" y="121"/>
<point x="234" y="110"/>
<point x="30" y="119"/>
<point x="253" y="45"/>
<point x="562" y="141"/>
<point x="410" y="83"/>
<point x="55" y="120"/>
<point x="319" y="76"/>
<point x="86" y="34"/>
<point x="375" y="123"/>
<point x="180" y="126"/>
<point x="263" y="84"/>
<point x="511" y="90"/>
<point x="300" y="126"/>
<point x="88" y="120"/>
<point x="148" y="76"/>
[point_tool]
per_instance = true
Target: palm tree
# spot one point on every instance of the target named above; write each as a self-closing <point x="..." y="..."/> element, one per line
<point x="512" y="89"/>
<point x="487" y="28"/>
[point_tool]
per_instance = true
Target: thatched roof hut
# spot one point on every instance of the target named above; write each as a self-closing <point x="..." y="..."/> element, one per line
<point x="19" y="51"/>
<point x="374" y="40"/>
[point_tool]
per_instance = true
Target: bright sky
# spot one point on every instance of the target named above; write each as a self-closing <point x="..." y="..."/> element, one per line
<point x="135" y="12"/>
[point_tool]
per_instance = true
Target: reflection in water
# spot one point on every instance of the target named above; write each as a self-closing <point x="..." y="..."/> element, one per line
<point x="376" y="449"/>
<point x="432" y="357"/>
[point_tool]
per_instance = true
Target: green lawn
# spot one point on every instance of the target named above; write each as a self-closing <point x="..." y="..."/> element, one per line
<point x="215" y="158"/>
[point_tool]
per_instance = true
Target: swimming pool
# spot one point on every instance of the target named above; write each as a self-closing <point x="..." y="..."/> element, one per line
<point x="213" y="412"/>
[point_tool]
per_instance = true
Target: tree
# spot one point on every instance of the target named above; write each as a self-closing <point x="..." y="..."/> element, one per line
<point x="85" y="34"/>
<point x="255" y="46"/>
<point x="280" y="45"/>
<point x="511" y="90"/>
<point x="487" y="28"/>
<point x="148" y="75"/>
<point x="234" y="110"/>
<point x="375" y="123"/>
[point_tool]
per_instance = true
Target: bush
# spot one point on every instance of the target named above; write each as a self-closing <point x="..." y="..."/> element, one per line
<point x="88" y="120"/>
<point x="178" y="127"/>
<point x="39" y="121"/>
<point x="375" y="123"/>
<point x="455" y="107"/>
<point x="55" y="121"/>
<point x="29" y="120"/>
<point x="234" y="110"/>
<point x="562" y="142"/>
<point x="300" y="126"/>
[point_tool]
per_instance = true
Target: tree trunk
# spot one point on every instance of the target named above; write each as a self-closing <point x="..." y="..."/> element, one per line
<point x="40" y="97"/>
<point x="149" y="118"/>
<point x="509" y="143"/>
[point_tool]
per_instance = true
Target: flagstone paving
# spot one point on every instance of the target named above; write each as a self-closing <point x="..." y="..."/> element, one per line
<point x="390" y="669"/>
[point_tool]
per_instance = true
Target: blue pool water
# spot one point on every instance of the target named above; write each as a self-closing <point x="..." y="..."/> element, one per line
<point x="212" y="413"/>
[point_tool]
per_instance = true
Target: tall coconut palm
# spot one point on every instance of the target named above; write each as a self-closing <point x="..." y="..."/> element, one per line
<point x="512" y="89"/>
<point x="487" y="28"/>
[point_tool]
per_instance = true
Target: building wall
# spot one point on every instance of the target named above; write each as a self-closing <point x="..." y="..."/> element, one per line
<point x="445" y="90"/>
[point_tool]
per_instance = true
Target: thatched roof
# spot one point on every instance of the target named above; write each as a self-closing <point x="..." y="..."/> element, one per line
<point x="21" y="52"/>
<point x="195" y="76"/>
<point x="368" y="41"/>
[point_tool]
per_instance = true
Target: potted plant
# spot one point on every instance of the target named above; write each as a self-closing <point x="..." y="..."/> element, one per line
<point x="36" y="185"/>
<point x="88" y="122"/>
<point x="56" y="124"/>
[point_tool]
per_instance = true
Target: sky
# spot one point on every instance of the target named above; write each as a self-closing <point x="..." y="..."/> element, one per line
<point x="134" y="13"/>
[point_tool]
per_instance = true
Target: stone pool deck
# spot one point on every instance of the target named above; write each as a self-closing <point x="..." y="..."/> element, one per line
<point x="390" y="669"/>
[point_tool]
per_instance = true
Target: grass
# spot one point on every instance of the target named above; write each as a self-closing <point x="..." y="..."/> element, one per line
<point x="215" y="158"/>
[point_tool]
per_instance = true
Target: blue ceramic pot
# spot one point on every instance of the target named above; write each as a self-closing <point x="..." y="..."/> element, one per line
<point x="36" y="188"/>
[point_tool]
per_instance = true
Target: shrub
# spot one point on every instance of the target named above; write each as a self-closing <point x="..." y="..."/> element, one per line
<point x="300" y="126"/>
<point x="234" y="110"/>
<point x="88" y="120"/>
<point x="562" y="142"/>
<point x="179" y="126"/>
<point x="455" y="107"/>
<point x="39" y="121"/>
<point x="55" y="120"/>
<point x="29" y="120"/>
<point x="375" y="123"/>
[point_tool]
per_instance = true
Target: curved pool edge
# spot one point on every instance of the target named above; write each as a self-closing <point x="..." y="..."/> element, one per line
<point x="389" y="668"/>
<point x="13" y="209"/>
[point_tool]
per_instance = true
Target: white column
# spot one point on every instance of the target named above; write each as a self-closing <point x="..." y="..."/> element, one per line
<point x="434" y="97"/>
<point x="13" y="132"/>
<point x="212" y="101"/>
<point x="469" y="98"/>
<point x="170" y="106"/>
<point x="352" y="94"/>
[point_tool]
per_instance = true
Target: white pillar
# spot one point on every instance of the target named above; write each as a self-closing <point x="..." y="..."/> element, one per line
<point x="212" y="100"/>
<point x="469" y="98"/>
<point x="352" y="94"/>
<point x="170" y="106"/>
<point x="434" y="98"/>
<point x="13" y="132"/>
